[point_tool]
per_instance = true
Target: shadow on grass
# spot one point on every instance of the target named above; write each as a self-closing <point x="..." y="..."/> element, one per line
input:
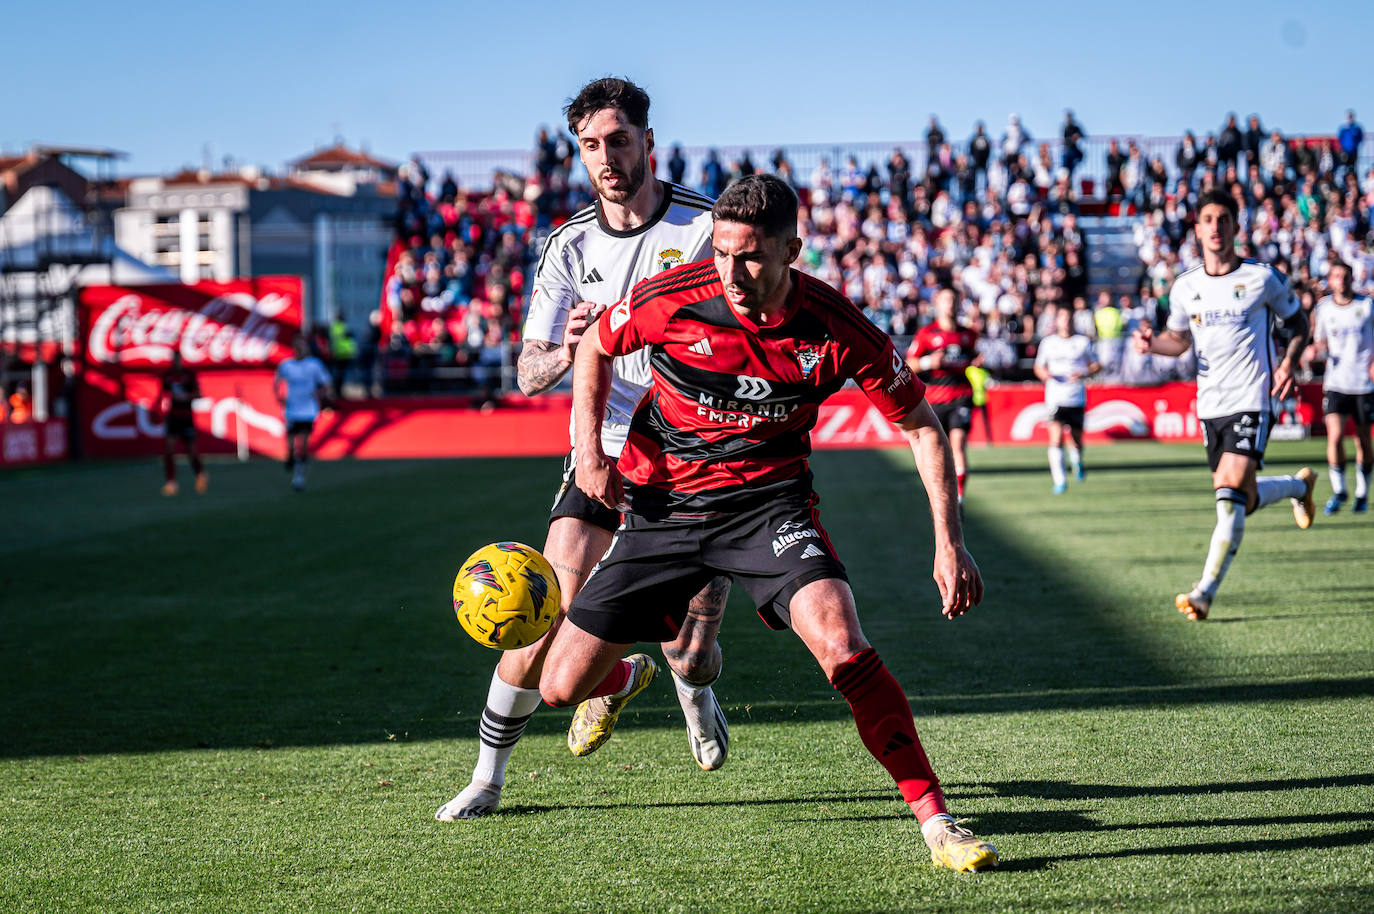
<point x="324" y="619"/>
<point x="1190" y="849"/>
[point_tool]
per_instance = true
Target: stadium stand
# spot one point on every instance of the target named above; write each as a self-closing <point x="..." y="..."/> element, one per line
<point x="1017" y="227"/>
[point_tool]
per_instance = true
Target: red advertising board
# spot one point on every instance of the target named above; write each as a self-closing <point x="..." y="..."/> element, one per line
<point x="232" y="334"/>
<point x="425" y="427"/>
<point x="28" y="443"/>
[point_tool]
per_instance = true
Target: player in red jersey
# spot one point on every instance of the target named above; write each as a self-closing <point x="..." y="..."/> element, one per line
<point x="941" y="354"/>
<point x="743" y="350"/>
<point x="180" y="388"/>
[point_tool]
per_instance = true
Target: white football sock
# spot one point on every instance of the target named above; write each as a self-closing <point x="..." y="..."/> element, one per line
<point x="1057" y="465"/>
<point x="1075" y="458"/>
<point x="1362" y="481"/>
<point x="503" y="721"/>
<point x="1337" y="473"/>
<point x="1273" y="488"/>
<point x="1226" y="537"/>
<point x="708" y="734"/>
<point x="934" y="824"/>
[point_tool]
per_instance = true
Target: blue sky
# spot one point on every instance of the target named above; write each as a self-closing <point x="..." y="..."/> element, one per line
<point x="266" y="82"/>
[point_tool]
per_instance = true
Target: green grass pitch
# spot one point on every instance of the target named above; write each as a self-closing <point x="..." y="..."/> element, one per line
<point x="255" y="701"/>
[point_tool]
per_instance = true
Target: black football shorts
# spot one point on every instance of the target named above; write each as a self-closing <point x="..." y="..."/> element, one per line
<point x="573" y="502"/>
<point x="641" y="588"/>
<point x="1245" y="434"/>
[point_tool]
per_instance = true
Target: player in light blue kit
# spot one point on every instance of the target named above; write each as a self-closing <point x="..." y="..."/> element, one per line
<point x="300" y="386"/>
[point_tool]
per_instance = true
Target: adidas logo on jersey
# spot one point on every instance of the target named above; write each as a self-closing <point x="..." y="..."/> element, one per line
<point x="812" y="551"/>
<point x="591" y="277"/>
<point x="701" y="347"/>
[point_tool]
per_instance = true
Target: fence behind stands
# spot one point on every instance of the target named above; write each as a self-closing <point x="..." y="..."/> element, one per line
<point x="473" y="169"/>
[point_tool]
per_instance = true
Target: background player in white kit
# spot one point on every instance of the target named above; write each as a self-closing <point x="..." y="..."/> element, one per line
<point x="300" y="385"/>
<point x="637" y="227"/>
<point x="1344" y="332"/>
<point x="1063" y="361"/>
<point x="1226" y="307"/>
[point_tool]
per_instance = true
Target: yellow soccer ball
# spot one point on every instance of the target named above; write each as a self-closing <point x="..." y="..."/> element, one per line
<point x="506" y="596"/>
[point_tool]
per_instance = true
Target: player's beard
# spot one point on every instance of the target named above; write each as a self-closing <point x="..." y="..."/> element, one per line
<point x="628" y="187"/>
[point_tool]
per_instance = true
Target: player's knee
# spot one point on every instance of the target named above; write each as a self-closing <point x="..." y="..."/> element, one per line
<point x="558" y="693"/>
<point x="832" y="653"/>
<point x="698" y="665"/>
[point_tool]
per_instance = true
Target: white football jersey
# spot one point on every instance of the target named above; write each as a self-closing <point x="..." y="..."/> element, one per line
<point x="1064" y="356"/>
<point x="1348" y="331"/>
<point x="585" y="260"/>
<point x="1230" y="318"/>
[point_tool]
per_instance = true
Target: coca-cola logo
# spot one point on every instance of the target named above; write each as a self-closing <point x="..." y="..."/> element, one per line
<point x="231" y="329"/>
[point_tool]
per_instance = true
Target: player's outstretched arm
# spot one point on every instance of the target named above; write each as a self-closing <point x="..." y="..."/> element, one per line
<point x="597" y="475"/>
<point x="543" y="363"/>
<point x="955" y="573"/>
<point x="1170" y="342"/>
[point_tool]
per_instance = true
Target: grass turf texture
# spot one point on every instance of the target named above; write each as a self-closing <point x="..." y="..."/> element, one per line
<point x="254" y="701"/>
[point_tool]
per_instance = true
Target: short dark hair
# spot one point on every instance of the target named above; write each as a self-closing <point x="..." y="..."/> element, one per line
<point x="1219" y="197"/>
<point x="762" y="200"/>
<point x="608" y="92"/>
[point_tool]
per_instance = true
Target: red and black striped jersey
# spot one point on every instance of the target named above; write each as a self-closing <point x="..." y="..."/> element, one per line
<point x="959" y="347"/>
<point x="726" y="423"/>
<point x="181" y="389"/>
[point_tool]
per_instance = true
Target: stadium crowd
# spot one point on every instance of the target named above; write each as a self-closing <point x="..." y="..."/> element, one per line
<point x="998" y="218"/>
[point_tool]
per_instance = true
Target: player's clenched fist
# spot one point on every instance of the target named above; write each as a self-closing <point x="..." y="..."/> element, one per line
<point x="580" y="317"/>
<point x="599" y="478"/>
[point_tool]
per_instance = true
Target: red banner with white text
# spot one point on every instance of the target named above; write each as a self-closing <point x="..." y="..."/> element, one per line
<point x="231" y="334"/>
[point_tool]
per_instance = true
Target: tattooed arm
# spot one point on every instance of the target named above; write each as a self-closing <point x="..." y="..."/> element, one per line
<point x="542" y="363"/>
<point x="540" y="366"/>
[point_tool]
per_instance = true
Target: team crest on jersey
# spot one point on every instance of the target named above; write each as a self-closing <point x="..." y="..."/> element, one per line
<point x="807" y="360"/>
<point x="669" y="257"/>
<point x="1196" y="319"/>
<point x="1239" y="291"/>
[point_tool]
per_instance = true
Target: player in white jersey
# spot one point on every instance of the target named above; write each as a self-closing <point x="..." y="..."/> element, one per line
<point x="1226" y="307"/>
<point x="637" y="226"/>
<point x="1344" y="332"/>
<point x="1063" y="361"/>
<point x="300" y="386"/>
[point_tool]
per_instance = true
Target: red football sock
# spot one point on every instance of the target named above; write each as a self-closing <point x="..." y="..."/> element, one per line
<point x="614" y="681"/>
<point x="959" y="478"/>
<point x="196" y="466"/>
<point x="169" y="467"/>
<point x="883" y="716"/>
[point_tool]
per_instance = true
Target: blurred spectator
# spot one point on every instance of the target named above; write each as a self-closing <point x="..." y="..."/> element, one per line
<point x="677" y="165"/>
<point x="1116" y="160"/>
<point x="1014" y="140"/>
<point x="1109" y="323"/>
<point x="1187" y="158"/>
<point x="979" y="149"/>
<point x="21" y="404"/>
<point x="1071" y="153"/>
<point x="1350" y="136"/>
<point x="343" y="351"/>
<point x="1229" y="143"/>
<point x="935" y="134"/>
<point x="1251" y="139"/>
<point x="712" y="175"/>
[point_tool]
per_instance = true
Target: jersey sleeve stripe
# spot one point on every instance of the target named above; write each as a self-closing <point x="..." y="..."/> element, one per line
<point x="686" y="193"/>
<point x="693" y="273"/>
<point x="643" y="296"/>
<point x="693" y="203"/>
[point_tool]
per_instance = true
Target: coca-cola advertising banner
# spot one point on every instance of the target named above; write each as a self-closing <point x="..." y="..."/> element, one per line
<point x="1016" y="414"/>
<point x="232" y="334"/>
